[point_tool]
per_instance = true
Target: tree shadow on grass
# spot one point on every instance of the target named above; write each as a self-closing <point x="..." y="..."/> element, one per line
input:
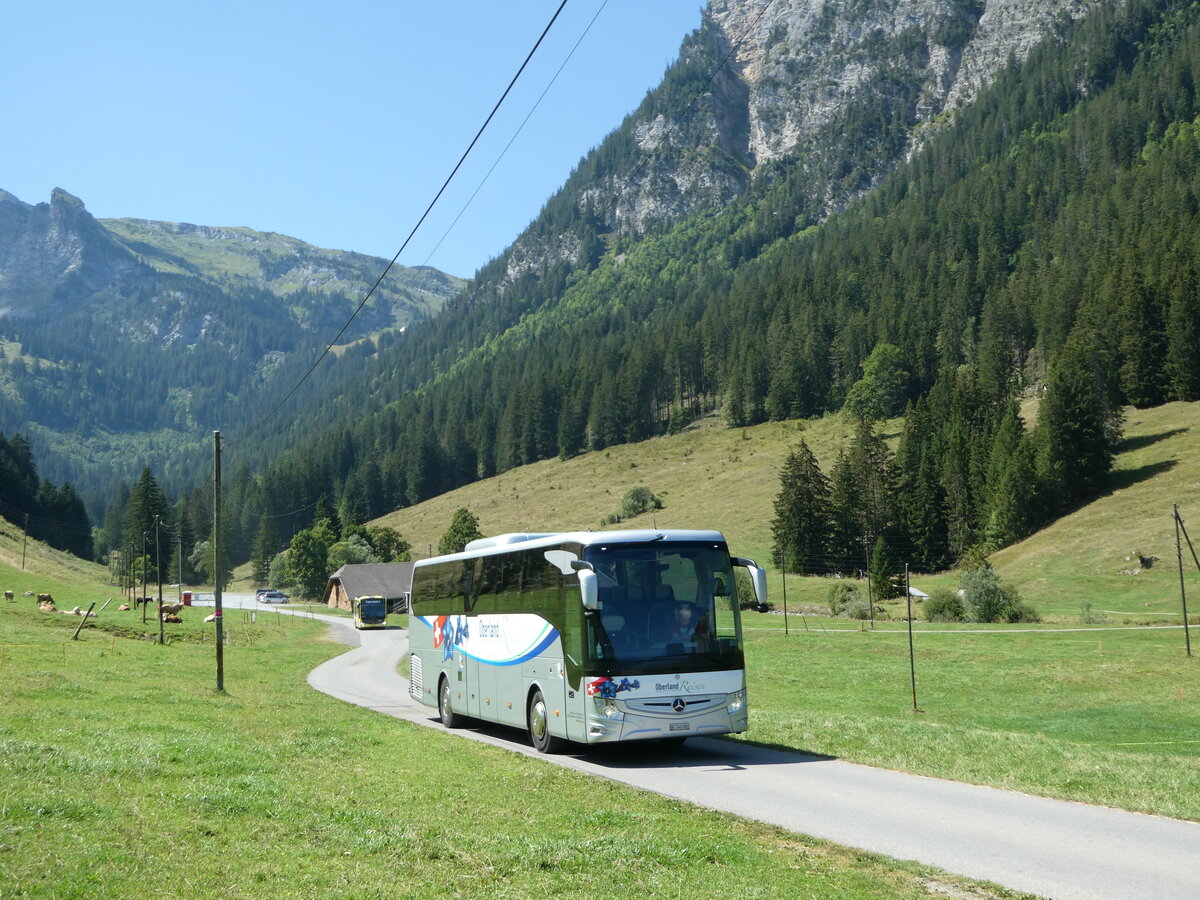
<point x="1146" y="440"/>
<point x="1121" y="479"/>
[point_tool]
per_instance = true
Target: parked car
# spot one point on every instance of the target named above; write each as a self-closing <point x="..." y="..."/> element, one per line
<point x="273" y="597"/>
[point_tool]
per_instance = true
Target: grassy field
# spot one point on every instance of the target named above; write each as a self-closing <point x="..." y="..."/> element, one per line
<point x="1109" y="716"/>
<point x="714" y="477"/>
<point x="126" y="774"/>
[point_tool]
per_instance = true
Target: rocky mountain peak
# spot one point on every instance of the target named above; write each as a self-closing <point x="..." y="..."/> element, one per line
<point x="806" y="61"/>
<point x="55" y="255"/>
<point x="839" y="90"/>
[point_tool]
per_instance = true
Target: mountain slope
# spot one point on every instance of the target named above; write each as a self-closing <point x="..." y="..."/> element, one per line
<point x="150" y="335"/>
<point x="714" y="477"/>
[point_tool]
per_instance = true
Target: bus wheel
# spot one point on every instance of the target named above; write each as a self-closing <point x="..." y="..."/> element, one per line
<point x="450" y="718"/>
<point x="539" y="727"/>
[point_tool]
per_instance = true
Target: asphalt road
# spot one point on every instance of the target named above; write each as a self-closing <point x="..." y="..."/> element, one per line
<point x="1052" y="848"/>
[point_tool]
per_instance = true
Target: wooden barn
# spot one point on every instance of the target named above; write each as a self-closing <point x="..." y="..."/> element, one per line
<point x="391" y="581"/>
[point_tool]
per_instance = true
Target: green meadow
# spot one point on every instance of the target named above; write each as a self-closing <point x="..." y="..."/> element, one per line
<point x="125" y="771"/>
<point x="127" y="774"/>
<point x="1100" y="715"/>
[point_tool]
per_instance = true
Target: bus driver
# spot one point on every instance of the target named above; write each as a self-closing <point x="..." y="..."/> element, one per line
<point x="684" y="625"/>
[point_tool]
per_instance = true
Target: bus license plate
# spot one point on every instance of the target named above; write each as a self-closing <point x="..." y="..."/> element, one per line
<point x="681" y="726"/>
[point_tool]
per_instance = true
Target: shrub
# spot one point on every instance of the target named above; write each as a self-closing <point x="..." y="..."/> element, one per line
<point x="638" y="500"/>
<point x="745" y="592"/>
<point x="840" y="595"/>
<point x="943" y="606"/>
<point x="849" y="602"/>
<point x="857" y="608"/>
<point x="985" y="599"/>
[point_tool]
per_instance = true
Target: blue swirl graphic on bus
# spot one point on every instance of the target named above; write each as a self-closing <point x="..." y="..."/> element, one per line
<point x="449" y="632"/>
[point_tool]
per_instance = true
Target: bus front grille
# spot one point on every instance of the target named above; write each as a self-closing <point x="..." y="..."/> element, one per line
<point x="685" y="705"/>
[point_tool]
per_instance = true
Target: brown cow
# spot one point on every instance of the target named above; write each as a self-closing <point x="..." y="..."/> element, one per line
<point x="171" y="618"/>
<point x="171" y="609"/>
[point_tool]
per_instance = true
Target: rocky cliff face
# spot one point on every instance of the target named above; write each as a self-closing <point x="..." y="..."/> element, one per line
<point x="54" y="255"/>
<point x="844" y="89"/>
<point x="806" y="61"/>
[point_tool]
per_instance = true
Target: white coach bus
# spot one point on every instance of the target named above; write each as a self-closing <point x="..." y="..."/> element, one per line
<point x="589" y="637"/>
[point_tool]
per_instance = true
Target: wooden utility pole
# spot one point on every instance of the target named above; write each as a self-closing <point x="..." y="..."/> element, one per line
<point x="912" y="657"/>
<point x="216" y="548"/>
<point x="158" y="569"/>
<point x="142" y="563"/>
<point x="1187" y="636"/>
<point x="783" y="579"/>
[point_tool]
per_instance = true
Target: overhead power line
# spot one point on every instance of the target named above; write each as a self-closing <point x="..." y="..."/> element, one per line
<point x="516" y="133"/>
<point x="420" y="221"/>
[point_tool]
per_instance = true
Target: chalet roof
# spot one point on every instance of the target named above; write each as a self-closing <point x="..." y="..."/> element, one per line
<point x="391" y="581"/>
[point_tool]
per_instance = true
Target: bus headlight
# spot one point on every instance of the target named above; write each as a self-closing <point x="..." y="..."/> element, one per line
<point x="737" y="702"/>
<point x="607" y="707"/>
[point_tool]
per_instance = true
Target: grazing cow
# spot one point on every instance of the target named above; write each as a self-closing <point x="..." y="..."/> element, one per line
<point x="45" y="598"/>
<point x="8" y="595"/>
<point x="171" y="609"/>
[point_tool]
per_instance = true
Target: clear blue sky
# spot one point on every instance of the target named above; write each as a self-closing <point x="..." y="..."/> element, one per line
<point x="332" y="123"/>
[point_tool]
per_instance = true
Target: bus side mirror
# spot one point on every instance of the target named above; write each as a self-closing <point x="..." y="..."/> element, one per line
<point x="589" y="588"/>
<point x="758" y="576"/>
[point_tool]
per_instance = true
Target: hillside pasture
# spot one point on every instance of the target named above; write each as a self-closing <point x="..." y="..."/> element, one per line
<point x="710" y="476"/>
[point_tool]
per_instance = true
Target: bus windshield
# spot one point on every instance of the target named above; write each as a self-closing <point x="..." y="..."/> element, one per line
<point x="663" y="608"/>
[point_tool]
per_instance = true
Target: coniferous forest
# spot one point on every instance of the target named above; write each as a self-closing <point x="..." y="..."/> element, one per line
<point x="47" y="512"/>
<point x="1041" y="244"/>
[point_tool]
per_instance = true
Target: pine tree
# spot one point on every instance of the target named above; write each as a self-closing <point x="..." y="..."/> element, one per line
<point x="1012" y="507"/>
<point x="1081" y="422"/>
<point x="1183" y="337"/>
<point x="802" y="527"/>
<point x="862" y="496"/>
<point x="886" y="576"/>
<point x="146" y="501"/>
<point x="920" y="498"/>
<point x="266" y="545"/>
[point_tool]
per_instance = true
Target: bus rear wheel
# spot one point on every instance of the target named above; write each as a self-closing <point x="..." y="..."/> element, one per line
<point x="539" y="727"/>
<point x="450" y="718"/>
